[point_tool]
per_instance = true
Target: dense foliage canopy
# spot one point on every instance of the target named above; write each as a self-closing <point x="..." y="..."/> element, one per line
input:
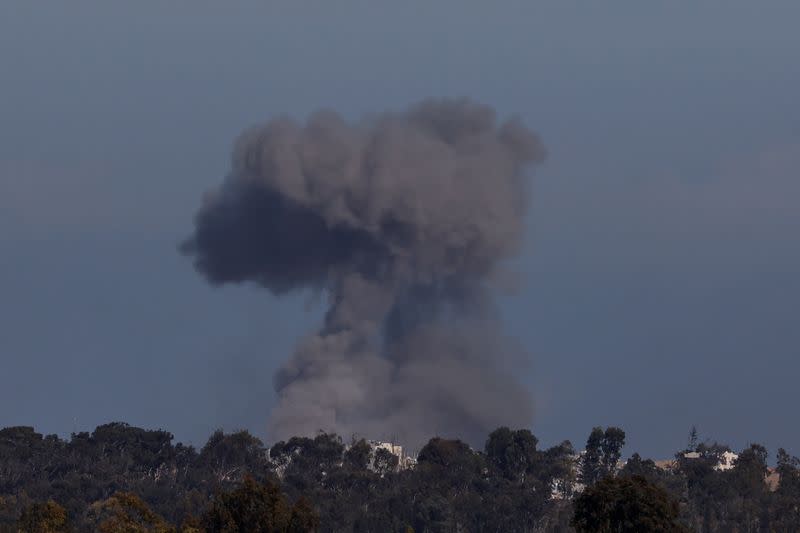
<point x="126" y="479"/>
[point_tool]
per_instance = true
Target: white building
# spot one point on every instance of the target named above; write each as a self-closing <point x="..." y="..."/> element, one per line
<point x="394" y="449"/>
<point x="726" y="461"/>
<point x="403" y="461"/>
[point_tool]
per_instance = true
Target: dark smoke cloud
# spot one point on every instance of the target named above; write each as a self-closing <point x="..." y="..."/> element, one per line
<point x="402" y="218"/>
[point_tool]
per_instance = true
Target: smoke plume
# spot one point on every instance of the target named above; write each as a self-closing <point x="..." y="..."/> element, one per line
<point x="402" y="219"/>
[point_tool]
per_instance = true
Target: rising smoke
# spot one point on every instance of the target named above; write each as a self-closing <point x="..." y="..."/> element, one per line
<point x="402" y="219"/>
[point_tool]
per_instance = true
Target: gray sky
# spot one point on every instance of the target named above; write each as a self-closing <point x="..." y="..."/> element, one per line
<point x="659" y="286"/>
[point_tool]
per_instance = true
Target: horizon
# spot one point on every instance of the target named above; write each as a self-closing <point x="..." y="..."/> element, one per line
<point x="405" y="450"/>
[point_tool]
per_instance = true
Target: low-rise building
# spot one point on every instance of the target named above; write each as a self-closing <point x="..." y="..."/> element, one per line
<point x="726" y="461"/>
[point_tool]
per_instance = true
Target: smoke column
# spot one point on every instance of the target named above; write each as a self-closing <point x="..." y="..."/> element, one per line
<point x="401" y="219"/>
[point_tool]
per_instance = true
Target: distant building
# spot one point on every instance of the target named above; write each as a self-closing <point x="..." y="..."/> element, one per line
<point x="394" y="449"/>
<point x="404" y="461"/>
<point x="665" y="464"/>
<point x="727" y="461"/>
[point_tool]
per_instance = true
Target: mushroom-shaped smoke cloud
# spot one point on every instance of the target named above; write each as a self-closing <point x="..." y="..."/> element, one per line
<point x="402" y="218"/>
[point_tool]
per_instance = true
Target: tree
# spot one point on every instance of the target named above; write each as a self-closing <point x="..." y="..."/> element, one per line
<point x="191" y="524"/>
<point x="231" y="457"/>
<point x="47" y="517"/>
<point x="611" y="445"/>
<point x="785" y="510"/>
<point x="789" y="470"/>
<point x="625" y="505"/>
<point x="592" y="457"/>
<point x="125" y="512"/>
<point x="636" y="466"/>
<point x="447" y="453"/>
<point x="304" y="518"/>
<point x="692" y="444"/>
<point x="707" y="490"/>
<point x="556" y="469"/>
<point x="358" y="456"/>
<point x="307" y="462"/>
<point x="131" y="447"/>
<point x="603" y="450"/>
<point x="385" y="461"/>
<point x="253" y="507"/>
<point x="513" y="453"/>
<point x="747" y="489"/>
<point x="749" y="471"/>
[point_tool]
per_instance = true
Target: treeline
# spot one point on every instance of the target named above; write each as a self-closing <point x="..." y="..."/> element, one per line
<point x="126" y="479"/>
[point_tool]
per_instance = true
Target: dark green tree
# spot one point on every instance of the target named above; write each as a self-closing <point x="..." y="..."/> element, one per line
<point x="228" y="458"/>
<point x="747" y="490"/>
<point x="788" y="469"/>
<point x="253" y="507"/>
<point x="385" y="461"/>
<point x="636" y="466"/>
<point x="603" y="450"/>
<point x="556" y="469"/>
<point x="611" y="446"/>
<point x="450" y="454"/>
<point x="304" y="519"/>
<point x="309" y="461"/>
<point x="512" y="453"/>
<point x="358" y="456"/>
<point x="625" y="505"/>
<point x="785" y="510"/>
<point x="592" y="458"/>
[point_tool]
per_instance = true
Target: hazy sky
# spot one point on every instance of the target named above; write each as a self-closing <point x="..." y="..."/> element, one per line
<point x="659" y="286"/>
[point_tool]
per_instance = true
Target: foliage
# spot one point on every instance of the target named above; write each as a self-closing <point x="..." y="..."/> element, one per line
<point x="603" y="451"/>
<point x="358" y="456"/>
<point x="229" y="458"/>
<point x="122" y="478"/>
<point x="785" y="511"/>
<point x="385" y="461"/>
<point x="125" y="512"/>
<point x="251" y="507"/>
<point x="46" y="517"/>
<point x="625" y="505"/>
<point x="513" y="453"/>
